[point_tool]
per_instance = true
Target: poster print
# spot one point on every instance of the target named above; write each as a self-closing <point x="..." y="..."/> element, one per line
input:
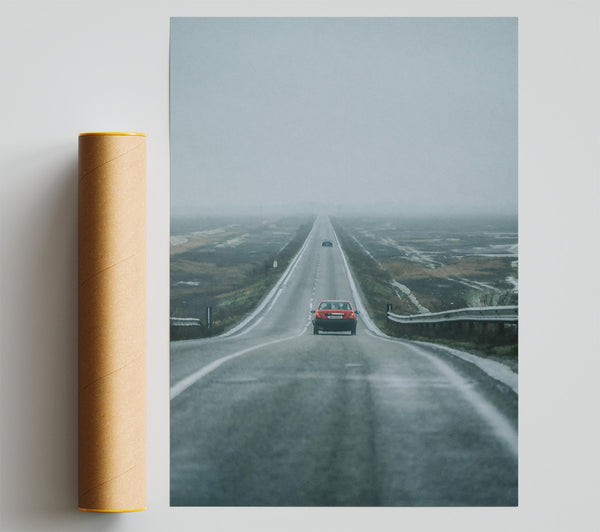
<point x="344" y="262"/>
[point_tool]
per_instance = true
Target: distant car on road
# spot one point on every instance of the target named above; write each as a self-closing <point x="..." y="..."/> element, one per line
<point x="334" y="316"/>
<point x="327" y="244"/>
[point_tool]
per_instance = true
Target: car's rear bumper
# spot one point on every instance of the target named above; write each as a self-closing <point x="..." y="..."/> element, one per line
<point x="334" y="325"/>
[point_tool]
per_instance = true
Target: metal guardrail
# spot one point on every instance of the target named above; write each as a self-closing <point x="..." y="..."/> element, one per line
<point x="185" y="322"/>
<point x="507" y="314"/>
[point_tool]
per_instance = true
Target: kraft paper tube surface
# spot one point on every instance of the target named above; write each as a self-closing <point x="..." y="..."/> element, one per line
<point x="112" y="322"/>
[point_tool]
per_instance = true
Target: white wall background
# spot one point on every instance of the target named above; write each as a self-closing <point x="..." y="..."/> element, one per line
<point x="68" y="67"/>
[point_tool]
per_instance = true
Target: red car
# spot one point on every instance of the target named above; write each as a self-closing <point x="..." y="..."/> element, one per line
<point x="334" y="316"/>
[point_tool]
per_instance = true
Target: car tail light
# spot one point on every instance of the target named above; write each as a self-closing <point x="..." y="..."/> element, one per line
<point x="351" y="315"/>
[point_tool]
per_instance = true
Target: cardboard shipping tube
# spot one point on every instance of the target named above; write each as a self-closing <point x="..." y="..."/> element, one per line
<point x="112" y="322"/>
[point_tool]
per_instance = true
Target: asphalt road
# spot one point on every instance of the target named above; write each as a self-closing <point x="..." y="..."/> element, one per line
<point x="272" y="415"/>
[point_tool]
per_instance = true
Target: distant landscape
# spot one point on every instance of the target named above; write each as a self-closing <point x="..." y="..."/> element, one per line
<point x="415" y="265"/>
<point x="227" y="264"/>
<point x="436" y="265"/>
<point x="433" y="265"/>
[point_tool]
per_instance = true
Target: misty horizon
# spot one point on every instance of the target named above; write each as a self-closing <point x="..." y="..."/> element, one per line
<point x="184" y="224"/>
<point x="314" y="208"/>
<point x="369" y="116"/>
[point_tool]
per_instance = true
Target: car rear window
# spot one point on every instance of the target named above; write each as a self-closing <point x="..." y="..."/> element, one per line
<point x="334" y="305"/>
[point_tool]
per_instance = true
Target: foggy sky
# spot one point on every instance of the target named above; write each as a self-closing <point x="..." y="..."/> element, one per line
<point x="400" y="115"/>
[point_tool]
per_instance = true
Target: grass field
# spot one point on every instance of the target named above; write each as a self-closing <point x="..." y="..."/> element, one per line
<point x="228" y="264"/>
<point x="431" y="265"/>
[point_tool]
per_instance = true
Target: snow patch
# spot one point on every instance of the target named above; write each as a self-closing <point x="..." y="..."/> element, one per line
<point x="365" y="250"/>
<point x="178" y="240"/>
<point x="412" y="254"/>
<point x="506" y="248"/>
<point x="406" y="291"/>
<point x="233" y="242"/>
<point x="475" y="284"/>
<point x="187" y="283"/>
<point x="515" y="282"/>
<point x="496" y="370"/>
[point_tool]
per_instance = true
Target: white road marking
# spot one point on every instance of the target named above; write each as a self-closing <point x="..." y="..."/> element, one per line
<point x="273" y="294"/>
<point x="498" y="422"/>
<point x="366" y="319"/>
<point x="494" y="418"/>
<point x="181" y="386"/>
